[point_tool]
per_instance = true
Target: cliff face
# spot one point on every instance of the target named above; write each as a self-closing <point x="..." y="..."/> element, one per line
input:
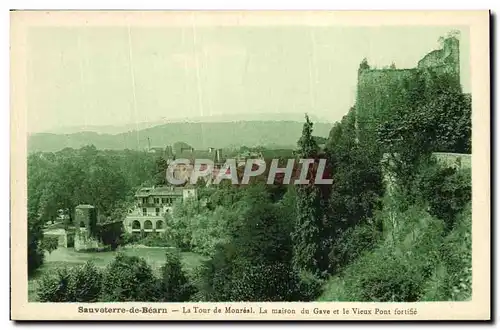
<point x="380" y="91"/>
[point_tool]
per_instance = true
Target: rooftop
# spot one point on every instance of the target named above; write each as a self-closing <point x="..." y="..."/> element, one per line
<point x="160" y="191"/>
<point x="85" y="206"/>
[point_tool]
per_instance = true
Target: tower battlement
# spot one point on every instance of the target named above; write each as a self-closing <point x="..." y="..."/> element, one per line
<point x="379" y="91"/>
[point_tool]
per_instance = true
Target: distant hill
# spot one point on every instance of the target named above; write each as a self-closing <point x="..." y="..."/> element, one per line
<point x="117" y="129"/>
<point x="200" y="135"/>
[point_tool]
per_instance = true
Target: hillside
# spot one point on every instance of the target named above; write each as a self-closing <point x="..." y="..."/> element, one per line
<point x="226" y="118"/>
<point x="198" y="135"/>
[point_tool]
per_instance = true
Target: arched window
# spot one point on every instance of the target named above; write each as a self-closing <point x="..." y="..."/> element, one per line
<point x="136" y="224"/>
<point x="159" y="224"/>
<point x="148" y="224"/>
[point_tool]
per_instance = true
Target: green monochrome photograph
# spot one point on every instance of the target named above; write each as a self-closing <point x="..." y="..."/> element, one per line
<point x="249" y="158"/>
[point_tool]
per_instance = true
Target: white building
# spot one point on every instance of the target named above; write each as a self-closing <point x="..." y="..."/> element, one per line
<point x="151" y="205"/>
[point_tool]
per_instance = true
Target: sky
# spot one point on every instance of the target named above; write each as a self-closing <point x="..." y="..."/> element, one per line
<point x="118" y="75"/>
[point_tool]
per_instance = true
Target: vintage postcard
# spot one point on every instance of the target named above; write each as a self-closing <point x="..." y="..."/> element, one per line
<point x="250" y="165"/>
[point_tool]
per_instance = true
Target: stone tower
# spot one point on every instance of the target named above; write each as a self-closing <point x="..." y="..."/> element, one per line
<point x="451" y="56"/>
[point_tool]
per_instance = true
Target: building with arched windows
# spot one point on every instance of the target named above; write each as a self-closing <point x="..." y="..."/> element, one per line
<point x="151" y="206"/>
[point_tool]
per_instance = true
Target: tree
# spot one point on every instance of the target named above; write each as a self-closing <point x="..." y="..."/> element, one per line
<point x="76" y="284"/>
<point x="55" y="287"/>
<point x="354" y="195"/>
<point x="40" y="175"/>
<point x="307" y="146"/>
<point x="35" y="236"/>
<point x="128" y="278"/>
<point x="364" y="65"/>
<point x="256" y="264"/>
<point x="306" y="234"/>
<point x="50" y="243"/>
<point x="160" y="171"/>
<point x="68" y="184"/>
<point x="436" y="117"/>
<point x="110" y="233"/>
<point x="104" y="185"/>
<point x="173" y="285"/>
<point x="86" y="283"/>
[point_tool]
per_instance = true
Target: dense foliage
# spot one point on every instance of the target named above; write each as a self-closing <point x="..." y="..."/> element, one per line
<point x="124" y="279"/>
<point x="77" y="284"/>
<point x="128" y="279"/>
<point x="60" y="181"/>
<point x="255" y="264"/>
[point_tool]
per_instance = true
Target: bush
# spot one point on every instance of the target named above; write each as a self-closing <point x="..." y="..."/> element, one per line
<point x="351" y="243"/>
<point x="35" y="236"/>
<point x="110" y="233"/>
<point x="452" y="279"/>
<point x="86" y="283"/>
<point x="446" y="190"/>
<point x="310" y="286"/>
<point x="155" y="240"/>
<point x="77" y="284"/>
<point x="457" y="252"/>
<point x="266" y="282"/>
<point x="50" y="243"/>
<point x="399" y="269"/>
<point x="384" y="277"/>
<point x="55" y="287"/>
<point x="129" y="238"/>
<point x="128" y="278"/>
<point x="210" y="230"/>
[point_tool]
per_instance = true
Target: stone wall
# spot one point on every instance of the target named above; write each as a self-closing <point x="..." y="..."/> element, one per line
<point x="83" y="241"/>
<point x="380" y="91"/>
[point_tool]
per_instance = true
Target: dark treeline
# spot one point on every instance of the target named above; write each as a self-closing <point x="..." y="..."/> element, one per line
<point x="65" y="179"/>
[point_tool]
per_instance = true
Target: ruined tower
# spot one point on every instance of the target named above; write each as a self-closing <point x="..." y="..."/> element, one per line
<point x="380" y="91"/>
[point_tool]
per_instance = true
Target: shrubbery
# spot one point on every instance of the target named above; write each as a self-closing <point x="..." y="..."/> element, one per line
<point x="154" y="240"/>
<point x="173" y="284"/>
<point x="446" y="190"/>
<point x="255" y="264"/>
<point x="126" y="278"/>
<point x="50" y="243"/>
<point x="422" y="255"/>
<point x="452" y="278"/>
<point x="77" y="284"/>
<point x="199" y="228"/>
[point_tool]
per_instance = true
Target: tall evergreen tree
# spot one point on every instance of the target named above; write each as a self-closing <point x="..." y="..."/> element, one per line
<point x="306" y="234"/>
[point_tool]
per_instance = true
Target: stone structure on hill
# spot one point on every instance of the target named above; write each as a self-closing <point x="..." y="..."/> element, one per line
<point x="85" y="224"/>
<point x="380" y="90"/>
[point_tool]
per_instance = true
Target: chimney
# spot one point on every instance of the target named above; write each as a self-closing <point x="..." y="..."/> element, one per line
<point x="218" y="155"/>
